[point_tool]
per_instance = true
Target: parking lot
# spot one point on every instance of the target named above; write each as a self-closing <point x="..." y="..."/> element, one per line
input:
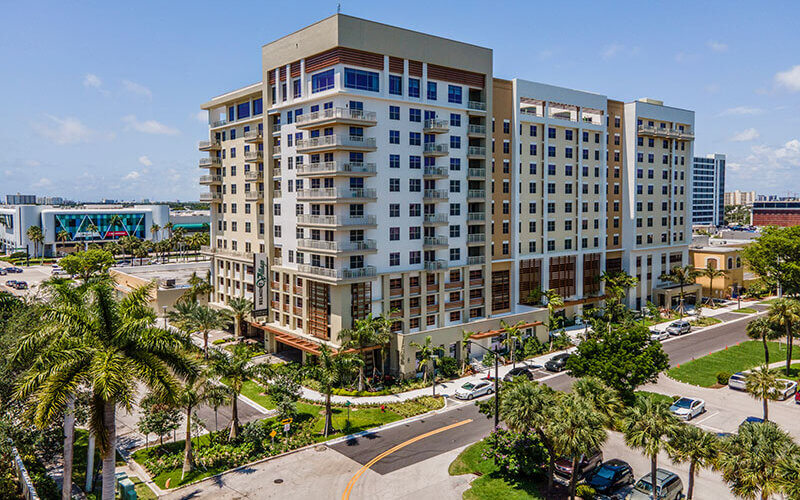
<point x="32" y="275"/>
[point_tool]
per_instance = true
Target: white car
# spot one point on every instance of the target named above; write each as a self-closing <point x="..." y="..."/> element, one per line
<point x="655" y="335"/>
<point x="738" y="381"/>
<point x="470" y="390"/>
<point x="786" y="389"/>
<point x="687" y="408"/>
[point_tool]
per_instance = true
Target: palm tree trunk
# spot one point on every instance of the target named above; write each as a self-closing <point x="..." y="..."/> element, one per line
<point x="188" y="459"/>
<point x="690" y="491"/>
<point x="205" y="344"/>
<point x="789" y="344"/>
<point x="653" y="467"/>
<point x="766" y="409"/>
<point x="551" y="460"/>
<point x="234" y="418"/>
<point x="574" y="478"/>
<point x="69" y="442"/>
<point x="361" y="373"/>
<point x="766" y="349"/>
<point x="110" y="455"/>
<point x="90" y="462"/>
<point x="328" y="418"/>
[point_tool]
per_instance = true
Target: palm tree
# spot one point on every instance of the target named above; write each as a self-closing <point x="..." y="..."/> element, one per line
<point x="711" y="273"/>
<point x="528" y="407"/>
<point x="332" y="370"/>
<point x="34" y="233"/>
<point x="604" y="399"/>
<point x="107" y="345"/>
<point x="751" y="460"/>
<point x="646" y="426"/>
<point x="205" y="319"/>
<point x="217" y="396"/>
<point x="154" y="229"/>
<point x="240" y="307"/>
<point x="578" y="429"/>
<point x="198" y="287"/>
<point x="168" y="226"/>
<point x="761" y="329"/>
<point x="696" y="446"/>
<point x="553" y="301"/>
<point x="182" y="314"/>
<point x="63" y="236"/>
<point x="789" y="468"/>
<point x="425" y="353"/>
<point x="194" y="392"/>
<point x="763" y="384"/>
<point x="618" y="284"/>
<point x="367" y="332"/>
<point x="513" y="335"/>
<point x="235" y="369"/>
<point x="681" y="276"/>
<point x="785" y="313"/>
<point x="465" y="340"/>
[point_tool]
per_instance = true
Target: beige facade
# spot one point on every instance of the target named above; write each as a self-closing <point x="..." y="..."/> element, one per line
<point x="170" y="282"/>
<point x="728" y="260"/>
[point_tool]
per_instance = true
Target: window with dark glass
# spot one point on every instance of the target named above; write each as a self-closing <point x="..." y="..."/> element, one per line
<point x="432" y="91"/>
<point x="413" y="87"/>
<point x="395" y="85"/>
<point x="322" y="81"/>
<point x="361" y="80"/>
<point x="454" y="94"/>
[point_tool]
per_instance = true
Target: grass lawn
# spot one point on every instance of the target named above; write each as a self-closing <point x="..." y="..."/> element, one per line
<point x="143" y="492"/>
<point x="744" y="310"/>
<point x="703" y="371"/>
<point x="768" y="301"/>
<point x="490" y="485"/>
<point x="174" y="476"/>
<point x="672" y="317"/>
<point x="654" y="396"/>
<point x="706" y="321"/>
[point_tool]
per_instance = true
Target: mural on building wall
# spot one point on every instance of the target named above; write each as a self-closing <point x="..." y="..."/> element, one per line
<point x="101" y="226"/>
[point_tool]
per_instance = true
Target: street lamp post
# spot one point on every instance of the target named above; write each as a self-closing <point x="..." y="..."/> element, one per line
<point x="496" y="382"/>
<point x="433" y="360"/>
<point x="164" y="310"/>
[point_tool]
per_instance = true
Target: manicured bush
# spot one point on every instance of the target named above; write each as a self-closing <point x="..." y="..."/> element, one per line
<point x="448" y="366"/>
<point x="515" y="454"/>
<point x="585" y="491"/>
<point x="723" y="377"/>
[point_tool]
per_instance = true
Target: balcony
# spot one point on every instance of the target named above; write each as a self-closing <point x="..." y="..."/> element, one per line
<point x="253" y="155"/>
<point x="332" y="168"/>
<point x="476" y="238"/>
<point x="433" y="149"/>
<point x="336" y="142"/>
<point x="476" y="131"/>
<point x="338" y="246"/>
<point x="476" y="259"/>
<point x="211" y="197"/>
<point x="276" y="172"/>
<point x="436" y="126"/>
<point x="210" y="162"/>
<point x="334" y="194"/>
<point x="434" y="194"/>
<point x="450" y="285"/>
<point x="335" y="221"/>
<point x="277" y="261"/>
<point x="475" y="194"/>
<point x="208" y="145"/>
<point x="219" y="123"/>
<point x="253" y="176"/>
<point x="209" y="250"/>
<point x="276" y="151"/>
<point x="210" y="180"/>
<point x="458" y="304"/>
<point x="337" y="274"/>
<point x="334" y="116"/>
<point x="276" y="128"/>
<point x="476" y="106"/>
<point x="476" y="152"/>
<point x="434" y="219"/>
<point x="434" y="242"/>
<point x="671" y="133"/>
<point x="253" y="136"/>
<point x="476" y="173"/>
<point x="434" y="173"/>
<point x="257" y="195"/>
<point x="433" y="265"/>
<point x="476" y="217"/>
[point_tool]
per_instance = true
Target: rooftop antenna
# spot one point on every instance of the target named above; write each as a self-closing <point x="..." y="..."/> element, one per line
<point x="338" y="8"/>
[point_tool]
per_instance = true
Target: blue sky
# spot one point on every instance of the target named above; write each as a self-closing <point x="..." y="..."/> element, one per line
<point x="101" y="98"/>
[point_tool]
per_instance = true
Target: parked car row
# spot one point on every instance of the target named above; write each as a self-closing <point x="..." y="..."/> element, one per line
<point x="10" y="270"/>
<point x="786" y="389"/>
<point x="17" y="285"/>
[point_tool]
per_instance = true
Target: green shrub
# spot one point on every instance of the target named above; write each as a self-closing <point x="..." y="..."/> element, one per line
<point x="448" y="367"/>
<point x="585" y="491"/>
<point x="723" y="377"/>
<point x="488" y="359"/>
<point x="516" y="454"/>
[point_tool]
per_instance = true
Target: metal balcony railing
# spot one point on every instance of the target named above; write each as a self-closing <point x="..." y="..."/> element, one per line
<point x="345" y="141"/>
<point x="336" y="193"/>
<point x="435" y="218"/>
<point x="476" y="105"/>
<point x="336" y="220"/>
<point x="351" y="115"/>
<point x="338" y="246"/>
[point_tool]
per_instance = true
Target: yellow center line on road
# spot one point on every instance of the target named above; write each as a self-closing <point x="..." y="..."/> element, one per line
<point x="362" y="470"/>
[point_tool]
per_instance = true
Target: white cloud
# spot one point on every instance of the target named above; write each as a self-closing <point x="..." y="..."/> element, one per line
<point x="201" y="116"/>
<point x="149" y="126"/>
<point x="63" y="130"/>
<point x="790" y="79"/>
<point x="769" y="168"/>
<point x="682" y="57"/>
<point x="611" y="50"/>
<point x="144" y="160"/>
<point x="92" y="80"/>
<point x="742" y="110"/>
<point x="746" y="135"/>
<point x="132" y="176"/>
<point x="137" y="88"/>
<point x="717" y="46"/>
<point x="44" y="182"/>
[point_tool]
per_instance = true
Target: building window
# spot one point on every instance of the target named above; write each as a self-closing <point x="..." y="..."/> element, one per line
<point x="455" y="120"/>
<point x="455" y="253"/>
<point x="413" y="87"/>
<point x="455" y="142"/>
<point x="395" y="85"/>
<point x="394" y="137"/>
<point x="322" y="81"/>
<point x="394" y="259"/>
<point x="394" y="112"/>
<point x="454" y="94"/>
<point x="414" y="115"/>
<point x="394" y="161"/>
<point x="414" y="162"/>
<point x="361" y="80"/>
<point x="432" y="91"/>
<point x="394" y="234"/>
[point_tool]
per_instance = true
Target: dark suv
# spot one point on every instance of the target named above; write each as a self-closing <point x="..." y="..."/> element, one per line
<point x="520" y="371"/>
<point x="557" y="363"/>
<point x="611" y="476"/>
<point x="587" y="464"/>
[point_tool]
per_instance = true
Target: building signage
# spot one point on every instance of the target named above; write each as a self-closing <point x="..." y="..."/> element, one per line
<point x="260" y="285"/>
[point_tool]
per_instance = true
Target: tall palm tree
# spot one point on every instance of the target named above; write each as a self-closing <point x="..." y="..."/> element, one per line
<point x="240" y="308"/>
<point x="696" y="446"/>
<point x="107" y="345"/>
<point x="465" y="339"/>
<point x="762" y="384"/>
<point x="63" y="236"/>
<point x="528" y="407"/>
<point x="366" y="332"/>
<point x="578" y="429"/>
<point x="762" y="329"/>
<point x="236" y="369"/>
<point x="425" y="353"/>
<point x="553" y="301"/>
<point x="34" y="233"/>
<point x="331" y="371"/>
<point x="681" y="276"/>
<point x="785" y="313"/>
<point x="711" y="273"/>
<point x="168" y="227"/>
<point x="154" y="229"/>
<point x="198" y="287"/>
<point x="205" y="319"/>
<point x="513" y="335"/>
<point x="750" y="460"/>
<point x="618" y="284"/>
<point x="195" y="391"/>
<point x="646" y="427"/>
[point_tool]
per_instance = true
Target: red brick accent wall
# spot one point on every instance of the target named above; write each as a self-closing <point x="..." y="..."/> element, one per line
<point x="776" y="217"/>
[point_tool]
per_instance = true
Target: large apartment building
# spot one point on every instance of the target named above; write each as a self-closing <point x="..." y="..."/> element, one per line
<point x="380" y="170"/>
<point x="708" y="190"/>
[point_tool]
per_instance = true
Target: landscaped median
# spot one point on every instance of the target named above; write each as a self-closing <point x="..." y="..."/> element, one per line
<point x="214" y="454"/>
<point x="491" y="484"/>
<point x="736" y="358"/>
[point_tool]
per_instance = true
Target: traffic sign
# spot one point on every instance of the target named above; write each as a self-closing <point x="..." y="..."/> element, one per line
<point x="285" y="427"/>
<point x="273" y="433"/>
<point x="286" y="421"/>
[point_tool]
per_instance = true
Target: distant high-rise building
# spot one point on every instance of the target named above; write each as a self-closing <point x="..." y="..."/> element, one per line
<point x="20" y="199"/>
<point x="742" y="197"/>
<point x="708" y="190"/>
